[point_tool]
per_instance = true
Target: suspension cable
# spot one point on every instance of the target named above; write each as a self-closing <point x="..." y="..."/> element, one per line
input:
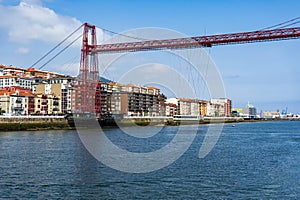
<point x="282" y="23"/>
<point x="44" y="56"/>
<point x="128" y="36"/>
<point x="290" y="24"/>
<point x="60" y="52"/>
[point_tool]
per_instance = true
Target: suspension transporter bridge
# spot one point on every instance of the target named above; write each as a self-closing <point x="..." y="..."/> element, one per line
<point x="89" y="72"/>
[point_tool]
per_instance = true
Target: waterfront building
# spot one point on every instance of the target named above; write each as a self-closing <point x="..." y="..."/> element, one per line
<point x="237" y="112"/>
<point x="102" y="99"/>
<point x="215" y="109"/>
<point x="54" y="93"/>
<point x="196" y="107"/>
<point x="143" y="101"/>
<point x="16" y="101"/>
<point x="61" y="88"/>
<point x="225" y="108"/>
<point x="162" y="104"/>
<point x="203" y="107"/>
<point x="47" y="104"/>
<point x="249" y="111"/>
<point x="171" y="109"/>
<point x="128" y="99"/>
<point x="4" y="104"/>
<point x="22" y="104"/>
<point x="171" y="106"/>
<point x="272" y="114"/>
<point x="25" y="78"/>
<point x="184" y="106"/>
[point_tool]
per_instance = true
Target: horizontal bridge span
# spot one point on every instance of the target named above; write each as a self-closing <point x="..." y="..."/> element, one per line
<point x="200" y="41"/>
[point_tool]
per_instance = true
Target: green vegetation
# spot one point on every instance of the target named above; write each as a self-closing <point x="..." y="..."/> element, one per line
<point x="33" y="126"/>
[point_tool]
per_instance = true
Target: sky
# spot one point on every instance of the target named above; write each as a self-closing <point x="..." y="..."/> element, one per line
<point x="265" y="74"/>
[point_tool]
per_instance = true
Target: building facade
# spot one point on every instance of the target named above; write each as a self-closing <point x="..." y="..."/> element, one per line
<point x="249" y="111"/>
<point x="129" y="100"/>
<point x="170" y="109"/>
<point x="223" y="106"/>
<point x="16" y="101"/>
<point x="61" y="91"/>
<point x="184" y="106"/>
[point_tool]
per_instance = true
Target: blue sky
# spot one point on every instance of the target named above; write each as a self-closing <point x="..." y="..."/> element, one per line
<point x="265" y="74"/>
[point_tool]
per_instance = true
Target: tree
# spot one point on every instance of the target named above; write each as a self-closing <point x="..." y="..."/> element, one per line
<point x="2" y="112"/>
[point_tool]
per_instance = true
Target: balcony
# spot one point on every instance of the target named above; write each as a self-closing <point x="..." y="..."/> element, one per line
<point x="18" y="106"/>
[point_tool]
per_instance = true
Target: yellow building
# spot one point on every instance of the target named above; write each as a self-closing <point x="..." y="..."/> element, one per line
<point x="46" y="104"/>
<point x="4" y="104"/>
<point x="203" y="107"/>
<point x="62" y="91"/>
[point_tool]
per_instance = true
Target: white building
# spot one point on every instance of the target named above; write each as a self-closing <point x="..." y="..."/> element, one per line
<point x="18" y="105"/>
<point x="16" y="101"/>
<point x="8" y="81"/>
<point x="215" y="109"/>
<point x="185" y="106"/>
<point x="272" y="114"/>
<point x="223" y="106"/>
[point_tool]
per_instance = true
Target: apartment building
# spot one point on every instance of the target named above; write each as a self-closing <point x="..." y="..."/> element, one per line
<point x="5" y="103"/>
<point x="16" y="101"/>
<point x="47" y="104"/>
<point x="184" y="106"/>
<point x="225" y="106"/>
<point x="54" y="93"/>
<point x="170" y="109"/>
<point x="61" y="90"/>
<point x="11" y="70"/>
<point x="42" y="74"/>
<point x="215" y="109"/>
<point x="121" y="99"/>
<point x="196" y="107"/>
<point x="203" y="107"/>
<point x="22" y="81"/>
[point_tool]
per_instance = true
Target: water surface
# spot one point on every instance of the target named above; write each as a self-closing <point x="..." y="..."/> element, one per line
<point x="250" y="161"/>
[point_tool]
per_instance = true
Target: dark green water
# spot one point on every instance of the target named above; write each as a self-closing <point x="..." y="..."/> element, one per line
<point x="250" y="161"/>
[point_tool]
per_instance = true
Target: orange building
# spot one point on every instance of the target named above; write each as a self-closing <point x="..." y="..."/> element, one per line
<point x="42" y="74"/>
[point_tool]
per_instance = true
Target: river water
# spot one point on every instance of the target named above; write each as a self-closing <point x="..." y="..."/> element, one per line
<point x="250" y="161"/>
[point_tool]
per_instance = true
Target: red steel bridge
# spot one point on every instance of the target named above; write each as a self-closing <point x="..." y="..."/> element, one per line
<point x="88" y="74"/>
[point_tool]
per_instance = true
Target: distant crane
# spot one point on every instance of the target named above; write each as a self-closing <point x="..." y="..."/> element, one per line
<point x="88" y="73"/>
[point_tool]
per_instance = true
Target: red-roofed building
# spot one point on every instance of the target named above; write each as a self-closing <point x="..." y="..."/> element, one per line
<point x="16" y="101"/>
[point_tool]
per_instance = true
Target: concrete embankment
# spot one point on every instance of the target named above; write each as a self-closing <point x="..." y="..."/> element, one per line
<point x="17" y="123"/>
<point x="206" y="120"/>
<point x="144" y="121"/>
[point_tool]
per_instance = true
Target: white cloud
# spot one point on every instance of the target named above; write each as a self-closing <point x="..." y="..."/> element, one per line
<point x="35" y="2"/>
<point x="22" y="50"/>
<point x="30" y="21"/>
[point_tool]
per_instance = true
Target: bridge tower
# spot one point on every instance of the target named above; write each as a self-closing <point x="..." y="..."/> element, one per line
<point x="88" y="73"/>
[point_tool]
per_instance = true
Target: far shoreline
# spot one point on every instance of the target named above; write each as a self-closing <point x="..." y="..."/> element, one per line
<point x="70" y="125"/>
